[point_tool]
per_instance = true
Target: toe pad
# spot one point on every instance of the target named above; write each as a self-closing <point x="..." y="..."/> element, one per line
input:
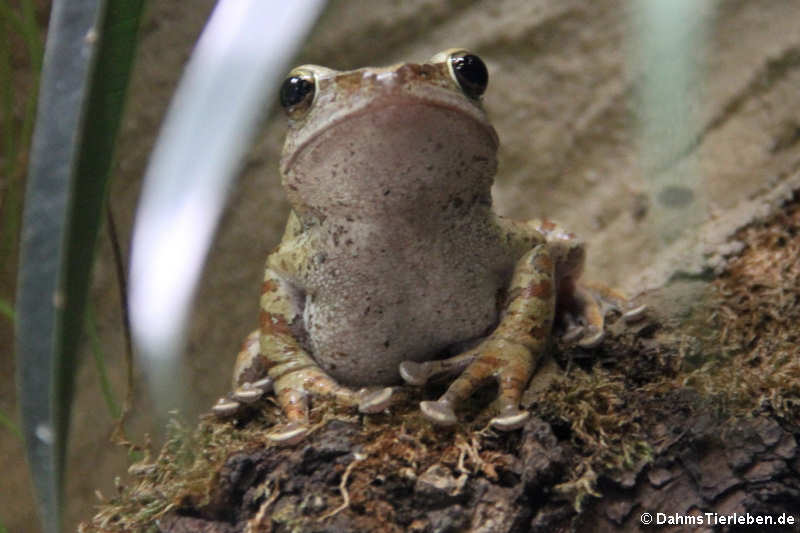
<point x="511" y="420"/>
<point x="225" y="408"/>
<point x="247" y="393"/>
<point x="439" y="413"/>
<point x="375" y="401"/>
<point x="289" y="434"/>
<point x="592" y="337"/>
<point x="413" y="373"/>
<point x="634" y="314"/>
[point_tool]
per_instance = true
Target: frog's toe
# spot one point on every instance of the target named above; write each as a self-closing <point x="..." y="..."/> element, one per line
<point x="613" y="299"/>
<point x="374" y="401"/>
<point x="264" y="384"/>
<point x="510" y="419"/>
<point x="591" y="337"/>
<point x="225" y="407"/>
<point x="633" y="314"/>
<point x="439" y="412"/>
<point x="415" y="373"/>
<point x="247" y="393"/>
<point x="288" y="434"/>
<point x="584" y="316"/>
<point x="589" y="315"/>
<point x="573" y="331"/>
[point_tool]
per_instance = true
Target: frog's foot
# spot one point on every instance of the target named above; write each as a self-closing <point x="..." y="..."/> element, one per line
<point x="294" y="378"/>
<point x="584" y="317"/>
<point x="251" y="386"/>
<point x="297" y="386"/>
<point x="507" y="362"/>
<point x="295" y="402"/>
<point x="293" y="396"/>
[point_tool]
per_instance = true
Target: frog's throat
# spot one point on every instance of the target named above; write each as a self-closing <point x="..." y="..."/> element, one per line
<point x="474" y="113"/>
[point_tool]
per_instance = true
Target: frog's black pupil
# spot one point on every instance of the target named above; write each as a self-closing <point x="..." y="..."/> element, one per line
<point x="471" y="74"/>
<point x="294" y="90"/>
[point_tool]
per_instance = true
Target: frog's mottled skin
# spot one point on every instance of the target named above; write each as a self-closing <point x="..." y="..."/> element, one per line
<point x="392" y="254"/>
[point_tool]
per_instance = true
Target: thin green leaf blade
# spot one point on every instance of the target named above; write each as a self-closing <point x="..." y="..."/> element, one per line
<point x="87" y="62"/>
<point x="118" y="38"/>
<point x="40" y="296"/>
<point x="100" y="363"/>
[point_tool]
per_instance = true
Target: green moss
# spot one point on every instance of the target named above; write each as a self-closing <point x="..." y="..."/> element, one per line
<point x="604" y="424"/>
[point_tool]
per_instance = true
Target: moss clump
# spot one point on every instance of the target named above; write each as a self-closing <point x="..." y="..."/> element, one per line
<point x="604" y="423"/>
<point x="750" y="337"/>
<point x="180" y="474"/>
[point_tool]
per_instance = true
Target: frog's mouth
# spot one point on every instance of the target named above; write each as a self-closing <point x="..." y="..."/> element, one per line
<point x="331" y="116"/>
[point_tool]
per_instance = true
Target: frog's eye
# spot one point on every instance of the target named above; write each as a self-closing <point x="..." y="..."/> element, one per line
<point x="297" y="92"/>
<point x="470" y="72"/>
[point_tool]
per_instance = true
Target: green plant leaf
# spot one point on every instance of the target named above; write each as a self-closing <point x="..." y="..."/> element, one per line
<point x="87" y="61"/>
<point x="100" y="363"/>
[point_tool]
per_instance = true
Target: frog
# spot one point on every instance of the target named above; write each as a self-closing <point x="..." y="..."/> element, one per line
<point x="393" y="265"/>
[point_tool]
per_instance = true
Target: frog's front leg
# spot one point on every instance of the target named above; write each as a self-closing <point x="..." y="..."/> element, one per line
<point x="273" y="358"/>
<point x="509" y="355"/>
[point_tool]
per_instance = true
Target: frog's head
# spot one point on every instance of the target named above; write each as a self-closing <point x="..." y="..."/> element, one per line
<point x="391" y="140"/>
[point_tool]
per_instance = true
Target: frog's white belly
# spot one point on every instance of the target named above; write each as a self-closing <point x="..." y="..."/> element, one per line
<point x="373" y="304"/>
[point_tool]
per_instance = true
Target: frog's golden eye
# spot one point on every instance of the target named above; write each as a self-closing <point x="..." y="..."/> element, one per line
<point x="470" y="73"/>
<point x="297" y="92"/>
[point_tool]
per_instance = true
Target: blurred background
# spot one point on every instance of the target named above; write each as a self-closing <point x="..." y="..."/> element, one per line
<point x="562" y="81"/>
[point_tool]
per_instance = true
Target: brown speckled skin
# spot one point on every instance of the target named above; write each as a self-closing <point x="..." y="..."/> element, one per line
<point x="393" y="253"/>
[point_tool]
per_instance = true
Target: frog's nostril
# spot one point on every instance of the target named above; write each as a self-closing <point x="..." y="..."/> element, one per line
<point x="410" y="72"/>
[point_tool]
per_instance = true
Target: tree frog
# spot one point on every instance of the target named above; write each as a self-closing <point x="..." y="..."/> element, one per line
<point x="393" y="264"/>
